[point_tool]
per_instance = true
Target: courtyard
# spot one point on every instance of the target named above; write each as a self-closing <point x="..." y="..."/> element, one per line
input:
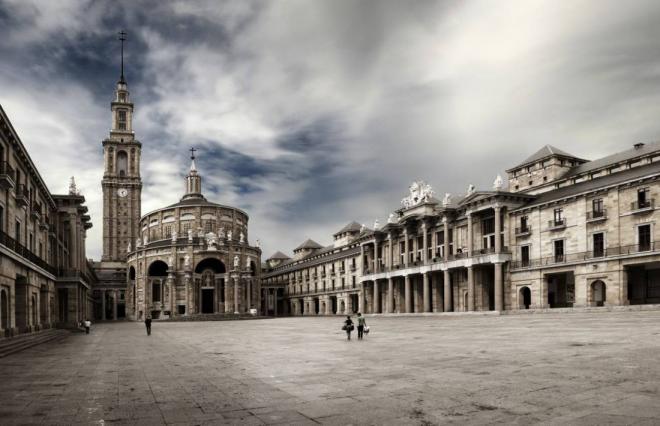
<point x="580" y="368"/>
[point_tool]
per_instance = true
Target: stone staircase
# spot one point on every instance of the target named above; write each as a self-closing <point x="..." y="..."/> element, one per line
<point x="212" y="317"/>
<point x="23" y="341"/>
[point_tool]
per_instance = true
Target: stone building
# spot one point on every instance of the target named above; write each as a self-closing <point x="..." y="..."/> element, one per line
<point x="193" y="257"/>
<point x="567" y="233"/>
<point x="45" y="277"/>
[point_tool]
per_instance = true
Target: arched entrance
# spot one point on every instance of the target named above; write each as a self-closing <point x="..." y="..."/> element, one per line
<point x="524" y="298"/>
<point x="210" y="289"/>
<point x="598" y="293"/>
<point x="157" y="274"/>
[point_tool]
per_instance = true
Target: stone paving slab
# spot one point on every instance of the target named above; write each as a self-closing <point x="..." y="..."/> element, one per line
<point x="578" y="368"/>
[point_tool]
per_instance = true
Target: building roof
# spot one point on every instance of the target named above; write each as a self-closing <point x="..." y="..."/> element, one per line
<point x="278" y="255"/>
<point x="545" y="152"/>
<point x="308" y="244"/>
<point x="351" y="227"/>
<point x="596" y="183"/>
<point x="639" y="150"/>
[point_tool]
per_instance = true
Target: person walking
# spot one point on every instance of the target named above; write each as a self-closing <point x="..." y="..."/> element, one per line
<point x="87" y="324"/>
<point x="147" y="323"/>
<point x="348" y="326"/>
<point x="361" y="324"/>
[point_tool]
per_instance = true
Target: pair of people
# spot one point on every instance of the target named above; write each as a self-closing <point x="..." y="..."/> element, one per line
<point x="348" y="326"/>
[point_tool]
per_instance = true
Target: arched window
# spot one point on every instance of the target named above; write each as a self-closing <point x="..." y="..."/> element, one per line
<point x="122" y="163"/>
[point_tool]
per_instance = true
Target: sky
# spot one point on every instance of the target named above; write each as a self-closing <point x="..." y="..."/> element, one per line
<point x="312" y="114"/>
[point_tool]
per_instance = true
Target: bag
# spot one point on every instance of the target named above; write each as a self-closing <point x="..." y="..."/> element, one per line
<point x="345" y="327"/>
<point x="366" y="329"/>
<point x="352" y="327"/>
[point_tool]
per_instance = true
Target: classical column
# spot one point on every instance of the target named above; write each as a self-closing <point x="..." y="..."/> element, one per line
<point x="376" y="268"/>
<point x="425" y="243"/>
<point x="274" y="302"/>
<point x="236" y="283"/>
<point x="427" y="292"/>
<point x="103" y="305"/>
<point x="361" y="297"/>
<point x="499" y="291"/>
<point x="470" y="306"/>
<point x="498" y="232"/>
<point x="73" y="239"/>
<point x="390" y="295"/>
<point x="391" y="260"/>
<point x="406" y="248"/>
<point x="447" y="289"/>
<point x="445" y="225"/>
<point x="376" y="299"/>
<point x="469" y="232"/>
<point x="362" y="263"/>
<point x="114" y="304"/>
<point x="228" y="303"/>
<point x="408" y="299"/>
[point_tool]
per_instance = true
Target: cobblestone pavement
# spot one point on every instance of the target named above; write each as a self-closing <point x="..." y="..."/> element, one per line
<point x="588" y="368"/>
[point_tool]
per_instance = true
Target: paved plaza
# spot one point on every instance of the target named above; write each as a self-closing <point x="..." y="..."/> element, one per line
<point x="586" y="368"/>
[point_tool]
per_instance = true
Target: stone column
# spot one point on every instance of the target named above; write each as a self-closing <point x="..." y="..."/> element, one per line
<point x="73" y="239"/>
<point x="391" y="260"/>
<point x="376" y="266"/>
<point x="470" y="306"/>
<point x="427" y="292"/>
<point x="361" y="297"/>
<point x="362" y="263"/>
<point x="248" y="295"/>
<point x="114" y="304"/>
<point x="499" y="302"/>
<point x="407" y="295"/>
<point x="376" y="298"/>
<point x="447" y="290"/>
<point x="498" y="238"/>
<point x="425" y="243"/>
<point x="445" y="223"/>
<point x="469" y="232"/>
<point x="103" y="305"/>
<point x="275" y="302"/>
<point x="228" y="303"/>
<point x="236" y="284"/>
<point x="390" y="295"/>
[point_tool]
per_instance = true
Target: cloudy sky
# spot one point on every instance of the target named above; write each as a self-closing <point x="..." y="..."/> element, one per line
<point x="310" y="114"/>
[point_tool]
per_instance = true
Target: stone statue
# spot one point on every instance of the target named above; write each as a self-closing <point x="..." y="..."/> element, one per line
<point x="391" y="218"/>
<point x="221" y="233"/>
<point x="247" y="263"/>
<point x="258" y="243"/>
<point x="174" y="236"/>
<point x="376" y="224"/>
<point x="363" y="228"/>
<point x="229" y="235"/>
<point x="138" y="243"/>
<point x="420" y="192"/>
<point x="241" y="238"/>
<point x="190" y="235"/>
<point x="128" y="249"/>
<point x="200" y="233"/>
<point x="236" y="261"/>
<point x="146" y="239"/>
<point x="497" y="185"/>
<point x="447" y="200"/>
<point x="471" y="189"/>
<point x="186" y="261"/>
<point x="211" y="241"/>
<point x="170" y="261"/>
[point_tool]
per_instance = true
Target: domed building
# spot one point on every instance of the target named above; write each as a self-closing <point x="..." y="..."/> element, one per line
<point x="193" y="257"/>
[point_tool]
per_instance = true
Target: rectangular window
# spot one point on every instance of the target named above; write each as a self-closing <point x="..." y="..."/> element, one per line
<point x="2" y="219"/>
<point x="644" y="237"/>
<point x="420" y="247"/>
<point x="121" y="119"/>
<point x="429" y="241"/>
<point x="353" y="281"/>
<point x="402" y="252"/>
<point x="168" y="231"/>
<point x="524" y="255"/>
<point x="155" y="292"/>
<point x="488" y="226"/>
<point x="643" y="199"/>
<point x="343" y="283"/>
<point x="559" y="250"/>
<point x="558" y="218"/>
<point x="599" y="245"/>
<point x="31" y="242"/>
<point x="17" y="231"/>
<point x="597" y="205"/>
<point x="523" y="224"/>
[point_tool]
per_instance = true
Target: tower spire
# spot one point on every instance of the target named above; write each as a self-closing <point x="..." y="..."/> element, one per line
<point x="193" y="180"/>
<point x="122" y="39"/>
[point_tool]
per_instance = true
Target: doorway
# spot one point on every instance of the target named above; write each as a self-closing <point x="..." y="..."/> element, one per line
<point x="207" y="300"/>
<point x="525" y="298"/>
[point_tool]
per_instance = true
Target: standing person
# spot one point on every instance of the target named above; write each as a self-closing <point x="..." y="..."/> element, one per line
<point x="348" y="326"/>
<point x="87" y="324"/>
<point x="361" y="323"/>
<point x="147" y="323"/>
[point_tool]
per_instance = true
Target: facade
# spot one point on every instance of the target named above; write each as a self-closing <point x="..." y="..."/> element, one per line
<point x="193" y="257"/>
<point x="45" y="277"/>
<point x="567" y="233"/>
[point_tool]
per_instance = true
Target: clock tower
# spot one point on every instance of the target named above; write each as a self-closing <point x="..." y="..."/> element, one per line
<point x="122" y="185"/>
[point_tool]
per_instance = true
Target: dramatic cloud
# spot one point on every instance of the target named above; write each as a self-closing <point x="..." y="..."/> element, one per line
<point x="311" y="114"/>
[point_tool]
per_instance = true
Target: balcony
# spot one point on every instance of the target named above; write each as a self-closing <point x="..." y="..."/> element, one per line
<point x="556" y="225"/>
<point x="21" y="196"/>
<point x="596" y="216"/>
<point x="523" y="231"/>
<point x="24" y="252"/>
<point x="35" y="211"/>
<point x="6" y="175"/>
<point x="642" y="206"/>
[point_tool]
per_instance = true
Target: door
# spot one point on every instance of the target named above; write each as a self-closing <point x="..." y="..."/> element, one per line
<point x="644" y="237"/>
<point x="207" y="300"/>
<point x="599" y="245"/>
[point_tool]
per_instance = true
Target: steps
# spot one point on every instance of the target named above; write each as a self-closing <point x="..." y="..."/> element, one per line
<point x="24" y="341"/>
<point x="211" y="317"/>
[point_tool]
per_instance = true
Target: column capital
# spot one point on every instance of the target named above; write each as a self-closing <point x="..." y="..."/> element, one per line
<point x="445" y="220"/>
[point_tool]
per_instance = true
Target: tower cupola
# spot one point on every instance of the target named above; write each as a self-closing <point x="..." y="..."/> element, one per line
<point x="193" y="180"/>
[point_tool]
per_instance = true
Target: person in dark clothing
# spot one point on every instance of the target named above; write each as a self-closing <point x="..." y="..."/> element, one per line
<point x="87" y="323"/>
<point x="361" y="323"/>
<point x="348" y="326"/>
<point x="147" y="323"/>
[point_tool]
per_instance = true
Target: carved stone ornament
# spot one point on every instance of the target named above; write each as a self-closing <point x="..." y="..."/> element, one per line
<point x="420" y="192"/>
<point x="376" y="224"/>
<point x="237" y="261"/>
<point x="190" y="235"/>
<point x="241" y="237"/>
<point x="447" y="200"/>
<point x="174" y="236"/>
<point x="471" y="189"/>
<point x="229" y="235"/>
<point x="186" y="261"/>
<point x="497" y="185"/>
<point x="391" y="218"/>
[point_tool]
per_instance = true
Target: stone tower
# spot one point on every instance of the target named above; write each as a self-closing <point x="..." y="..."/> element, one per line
<point x="122" y="185"/>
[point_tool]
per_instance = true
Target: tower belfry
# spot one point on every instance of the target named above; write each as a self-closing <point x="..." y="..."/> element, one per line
<point x="122" y="185"/>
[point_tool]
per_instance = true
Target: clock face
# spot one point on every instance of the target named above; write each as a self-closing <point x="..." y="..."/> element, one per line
<point x="122" y="192"/>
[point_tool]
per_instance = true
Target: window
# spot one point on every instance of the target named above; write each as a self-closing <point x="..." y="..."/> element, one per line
<point x="597" y="207"/>
<point x="122" y="163"/>
<point x="168" y="231"/>
<point x="558" y="219"/>
<point x="599" y="244"/>
<point x="343" y="283"/>
<point x="402" y="252"/>
<point x="121" y="119"/>
<point x="31" y="242"/>
<point x="209" y="225"/>
<point x="643" y="199"/>
<point x="186" y="227"/>
<point x="644" y="237"/>
<point x="156" y="292"/>
<point x="524" y="255"/>
<point x="523" y="224"/>
<point x="122" y="97"/>
<point x="559" y="250"/>
<point x="420" y="247"/>
<point x="17" y="231"/>
<point x="2" y="219"/>
<point x="429" y="241"/>
<point x="353" y="281"/>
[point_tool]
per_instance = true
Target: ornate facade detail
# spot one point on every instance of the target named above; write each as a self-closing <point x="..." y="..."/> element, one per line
<point x="420" y="192"/>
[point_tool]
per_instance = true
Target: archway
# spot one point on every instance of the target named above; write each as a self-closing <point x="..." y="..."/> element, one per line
<point x="4" y="310"/>
<point x="211" y="263"/>
<point x="524" y="298"/>
<point x="122" y="163"/>
<point x="156" y="269"/>
<point x="598" y="293"/>
<point x="131" y="273"/>
<point x="210" y="290"/>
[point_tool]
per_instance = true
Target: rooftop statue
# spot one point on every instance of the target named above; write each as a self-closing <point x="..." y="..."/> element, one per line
<point x="447" y="200"/>
<point x="420" y="192"/>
